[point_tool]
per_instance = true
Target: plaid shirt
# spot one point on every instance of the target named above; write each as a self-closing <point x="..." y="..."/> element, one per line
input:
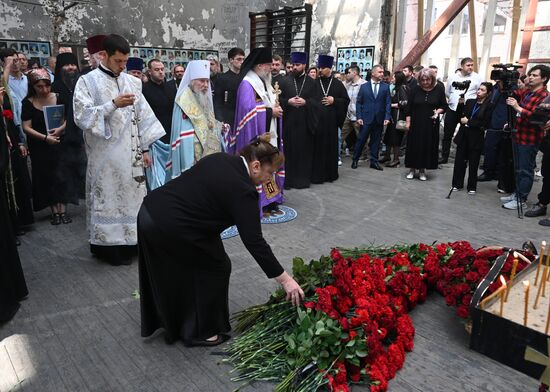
<point x="526" y="133"/>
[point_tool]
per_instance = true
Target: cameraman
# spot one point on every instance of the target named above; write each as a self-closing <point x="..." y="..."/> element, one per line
<point x="539" y="209"/>
<point x="494" y="134"/>
<point x="452" y="118"/>
<point x="526" y="140"/>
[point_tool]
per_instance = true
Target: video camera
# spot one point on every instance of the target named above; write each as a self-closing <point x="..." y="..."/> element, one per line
<point x="508" y="74"/>
<point x="463" y="86"/>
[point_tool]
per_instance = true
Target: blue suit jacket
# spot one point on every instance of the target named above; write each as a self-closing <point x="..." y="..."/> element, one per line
<point x="372" y="110"/>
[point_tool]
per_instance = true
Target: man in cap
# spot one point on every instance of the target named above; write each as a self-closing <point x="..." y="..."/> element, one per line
<point x="300" y="102"/>
<point x="95" y="50"/>
<point x="195" y="131"/>
<point x="334" y="106"/>
<point x="134" y="67"/>
<point x="119" y="126"/>
<point x="159" y="96"/>
<point x="258" y="114"/>
<point x="73" y="156"/>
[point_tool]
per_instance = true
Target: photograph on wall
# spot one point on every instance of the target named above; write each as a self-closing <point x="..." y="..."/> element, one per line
<point x="38" y="49"/>
<point x="170" y="56"/>
<point x="362" y="56"/>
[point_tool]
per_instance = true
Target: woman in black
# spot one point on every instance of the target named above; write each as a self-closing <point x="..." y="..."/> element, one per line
<point x="394" y="137"/>
<point x="426" y="102"/>
<point x="12" y="282"/>
<point x="476" y="114"/>
<point x="183" y="268"/>
<point x="47" y="185"/>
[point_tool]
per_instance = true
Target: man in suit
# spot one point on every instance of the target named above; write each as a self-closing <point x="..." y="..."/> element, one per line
<point x="373" y="110"/>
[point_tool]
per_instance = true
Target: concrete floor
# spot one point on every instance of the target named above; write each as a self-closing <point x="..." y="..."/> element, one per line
<point x="79" y="328"/>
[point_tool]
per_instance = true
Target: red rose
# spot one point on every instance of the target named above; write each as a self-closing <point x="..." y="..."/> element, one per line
<point x="463" y="311"/>
<point x="472" y="277"/>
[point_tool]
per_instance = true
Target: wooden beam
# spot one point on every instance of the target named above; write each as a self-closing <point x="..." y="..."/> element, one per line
<point x="435" y="31"/>
<point x="528" y="34"/>
<point x="420" y="20"/>
<point x="516" y="12"/>
<point x="473" y="35"/>
<point x="488" y="36"/>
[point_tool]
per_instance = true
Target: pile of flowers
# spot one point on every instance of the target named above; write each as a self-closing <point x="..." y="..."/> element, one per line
<point x="354" y="327"/>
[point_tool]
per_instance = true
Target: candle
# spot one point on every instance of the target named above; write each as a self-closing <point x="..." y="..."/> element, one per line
<point x="493" y="294"/>
<point x="541" y="287"/>
<point x="502" y="295"/>
<point x="542" y="249"/>
<point x="512" y="276"/>
<point x="526" y="307"/>
<point x="547" y="320"/>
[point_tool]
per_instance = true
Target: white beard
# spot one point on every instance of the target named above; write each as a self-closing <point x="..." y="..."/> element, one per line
<point x="266" y="77"/>
<point x="204" y="101"/>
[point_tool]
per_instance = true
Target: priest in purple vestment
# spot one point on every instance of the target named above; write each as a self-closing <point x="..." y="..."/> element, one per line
<point x="258" y="114"/>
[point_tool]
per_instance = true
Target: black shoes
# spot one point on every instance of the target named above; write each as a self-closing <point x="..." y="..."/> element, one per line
<point x="354" y="164"/>
<point x="544" y="222"/>
<point x="222" y="338"/>
<point x="485" y="177"/>
<point x="376" y="166"/>
<point x="537" y="210"/>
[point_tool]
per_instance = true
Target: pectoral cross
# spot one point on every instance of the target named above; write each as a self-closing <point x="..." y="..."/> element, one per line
<point x="277" y="91"/>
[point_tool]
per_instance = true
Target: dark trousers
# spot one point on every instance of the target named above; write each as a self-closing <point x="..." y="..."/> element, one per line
<point x="451" y="121"/>
<point x="493" y="141"/>
<point x="544" y="195"/>
<point x="505" y="165"/>
<point x="466" y="155"/>
<point x="374" y="130"/>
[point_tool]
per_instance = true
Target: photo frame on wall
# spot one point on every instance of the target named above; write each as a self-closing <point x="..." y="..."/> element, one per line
<point x="170" y="56"/>
<point x="362" y="56"/>
<point x="32" y="49"/>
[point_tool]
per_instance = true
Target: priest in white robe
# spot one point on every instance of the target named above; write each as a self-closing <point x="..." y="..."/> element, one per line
<point x="119" y="126"/>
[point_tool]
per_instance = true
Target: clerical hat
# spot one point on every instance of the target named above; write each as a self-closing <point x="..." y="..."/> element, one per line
<point x="298" y="58"/>
<point x="94" y="44"/>
<point x="64" y="59"/>
<point x="134" y="64"/>
<point x="325" y="61"/>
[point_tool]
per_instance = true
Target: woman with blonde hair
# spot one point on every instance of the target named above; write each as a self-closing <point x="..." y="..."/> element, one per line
<point x="425" y="103"/>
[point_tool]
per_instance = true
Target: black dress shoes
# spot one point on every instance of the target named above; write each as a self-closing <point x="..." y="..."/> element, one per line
<point x="354" y="164"/>
<point x="376" y="166"/>
<point x="483" y="177"/>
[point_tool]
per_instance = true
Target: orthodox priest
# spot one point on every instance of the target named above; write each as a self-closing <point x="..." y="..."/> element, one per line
<point x="300" y="102"/>
<point x="95" y="50"/>
<point x="258" y="114"/>
<point x="183" y="267"/>
<point x="119" y="126"/>
<point x="72" y="155"/>
<point x="332" y="113"/>
<point x="195" y="131"/>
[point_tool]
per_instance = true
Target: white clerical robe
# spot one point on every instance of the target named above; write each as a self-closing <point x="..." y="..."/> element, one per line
<point x="113" y="197"/>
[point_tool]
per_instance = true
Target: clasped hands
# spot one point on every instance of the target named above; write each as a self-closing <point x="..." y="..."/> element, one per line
<point x="327" y="101"/>
<point x="361" y="122"/>
<point x="124" y="100"/>
<point x="297" y="102"/>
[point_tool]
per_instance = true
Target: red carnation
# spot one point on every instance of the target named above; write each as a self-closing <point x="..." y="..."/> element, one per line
<point x="7" y="114"/>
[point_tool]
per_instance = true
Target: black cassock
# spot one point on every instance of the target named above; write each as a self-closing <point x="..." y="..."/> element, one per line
<point x="325" y="141"/>
<point x="299" y="125"/>
<point x="12" y="282"/>
<point x="161" y="98"/>
<point x="183" y="268"/>
<point x="72" y="157"/>
<point x="423" y="136"/>
<point x="225" y="94"/>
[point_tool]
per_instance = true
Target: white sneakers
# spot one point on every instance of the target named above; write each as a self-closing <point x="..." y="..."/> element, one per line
<point x="513" y="204"/>
<point x="506" y="199"/>
<point x="410" y="176"/>
<point x="422" y="176"/>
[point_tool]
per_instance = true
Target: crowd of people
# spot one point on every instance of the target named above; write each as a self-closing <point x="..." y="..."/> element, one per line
<point x="128" y="134"/>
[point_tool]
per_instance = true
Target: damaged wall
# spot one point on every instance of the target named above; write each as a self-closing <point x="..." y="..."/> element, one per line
<point x="197" y="24"/>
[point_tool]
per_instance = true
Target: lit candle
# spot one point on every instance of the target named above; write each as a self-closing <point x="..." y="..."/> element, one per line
<point x="526" y="307"/>
<point x="502" y="295"/>
<point x="542" y="249"/>
<point x="512" y="276"/>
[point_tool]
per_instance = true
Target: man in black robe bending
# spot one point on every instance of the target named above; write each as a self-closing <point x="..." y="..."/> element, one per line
<point x="332" y="113"/>
<point x="300" y="103"/>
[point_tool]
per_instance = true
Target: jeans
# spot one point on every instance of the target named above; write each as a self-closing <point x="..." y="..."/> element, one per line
<point x="525" y="156"/>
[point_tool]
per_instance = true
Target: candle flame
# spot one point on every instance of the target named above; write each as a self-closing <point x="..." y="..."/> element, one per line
<point x="502" y="280"/>
<point x="526" y="284"/>
<point x="515" y="255"/>
<point x="543" y="243"/>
